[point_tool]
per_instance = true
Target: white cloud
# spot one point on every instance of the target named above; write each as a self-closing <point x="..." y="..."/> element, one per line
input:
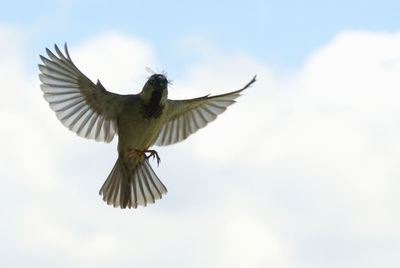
<point x="117" y="60"/>
<point x="330" y="133"/>
<point x="300" y="173"/>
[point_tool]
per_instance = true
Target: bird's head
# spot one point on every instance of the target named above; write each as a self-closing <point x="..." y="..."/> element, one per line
<point x="155" y="90"/>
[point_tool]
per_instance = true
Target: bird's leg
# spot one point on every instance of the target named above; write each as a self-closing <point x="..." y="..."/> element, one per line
<point x="139" y="153"/>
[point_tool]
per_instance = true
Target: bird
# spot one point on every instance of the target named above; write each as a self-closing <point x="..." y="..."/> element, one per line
<point x="139" y="120"/>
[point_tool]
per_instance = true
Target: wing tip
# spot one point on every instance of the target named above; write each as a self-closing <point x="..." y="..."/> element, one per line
<point x="66" y="51"/>
<point x="42" y="58"/>
<point x="252" y="81"/>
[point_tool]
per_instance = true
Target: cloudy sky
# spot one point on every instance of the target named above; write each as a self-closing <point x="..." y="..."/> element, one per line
<point x="302" y="172"/>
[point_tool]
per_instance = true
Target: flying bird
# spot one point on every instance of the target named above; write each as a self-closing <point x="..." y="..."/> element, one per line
<point x="140" y="121"/>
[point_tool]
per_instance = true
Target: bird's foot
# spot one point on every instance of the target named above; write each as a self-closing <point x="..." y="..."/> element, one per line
<point x="146" y="153"/>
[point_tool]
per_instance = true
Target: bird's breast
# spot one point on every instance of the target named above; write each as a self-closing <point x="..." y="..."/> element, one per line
<point x="137" y="130"/>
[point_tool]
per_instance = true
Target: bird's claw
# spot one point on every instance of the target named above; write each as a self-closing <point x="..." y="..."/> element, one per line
<point x="151" y="153"/>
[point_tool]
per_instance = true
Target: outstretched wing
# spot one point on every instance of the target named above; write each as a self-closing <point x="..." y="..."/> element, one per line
<point x="185" y="117"/>
<point x="86" y="108"/>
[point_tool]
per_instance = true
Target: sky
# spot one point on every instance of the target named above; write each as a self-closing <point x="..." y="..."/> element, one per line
<point x="301" y="172"/>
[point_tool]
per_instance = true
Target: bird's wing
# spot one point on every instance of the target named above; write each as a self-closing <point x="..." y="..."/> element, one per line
<point x="187" y="116"/>
<point x="86" y="108"/>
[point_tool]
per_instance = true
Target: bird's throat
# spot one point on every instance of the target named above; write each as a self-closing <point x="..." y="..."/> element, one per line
<point x="153" y="108"/>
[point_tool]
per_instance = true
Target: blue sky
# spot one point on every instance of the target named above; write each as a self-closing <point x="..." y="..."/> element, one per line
<point x="301" y="172"/>
<point x="281" y="33"/>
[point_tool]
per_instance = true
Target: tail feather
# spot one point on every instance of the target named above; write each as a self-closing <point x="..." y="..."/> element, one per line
<point x="131" y="187"/>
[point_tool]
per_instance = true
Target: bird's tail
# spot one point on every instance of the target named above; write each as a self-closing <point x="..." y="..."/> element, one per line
<point x="132" y="185"/>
